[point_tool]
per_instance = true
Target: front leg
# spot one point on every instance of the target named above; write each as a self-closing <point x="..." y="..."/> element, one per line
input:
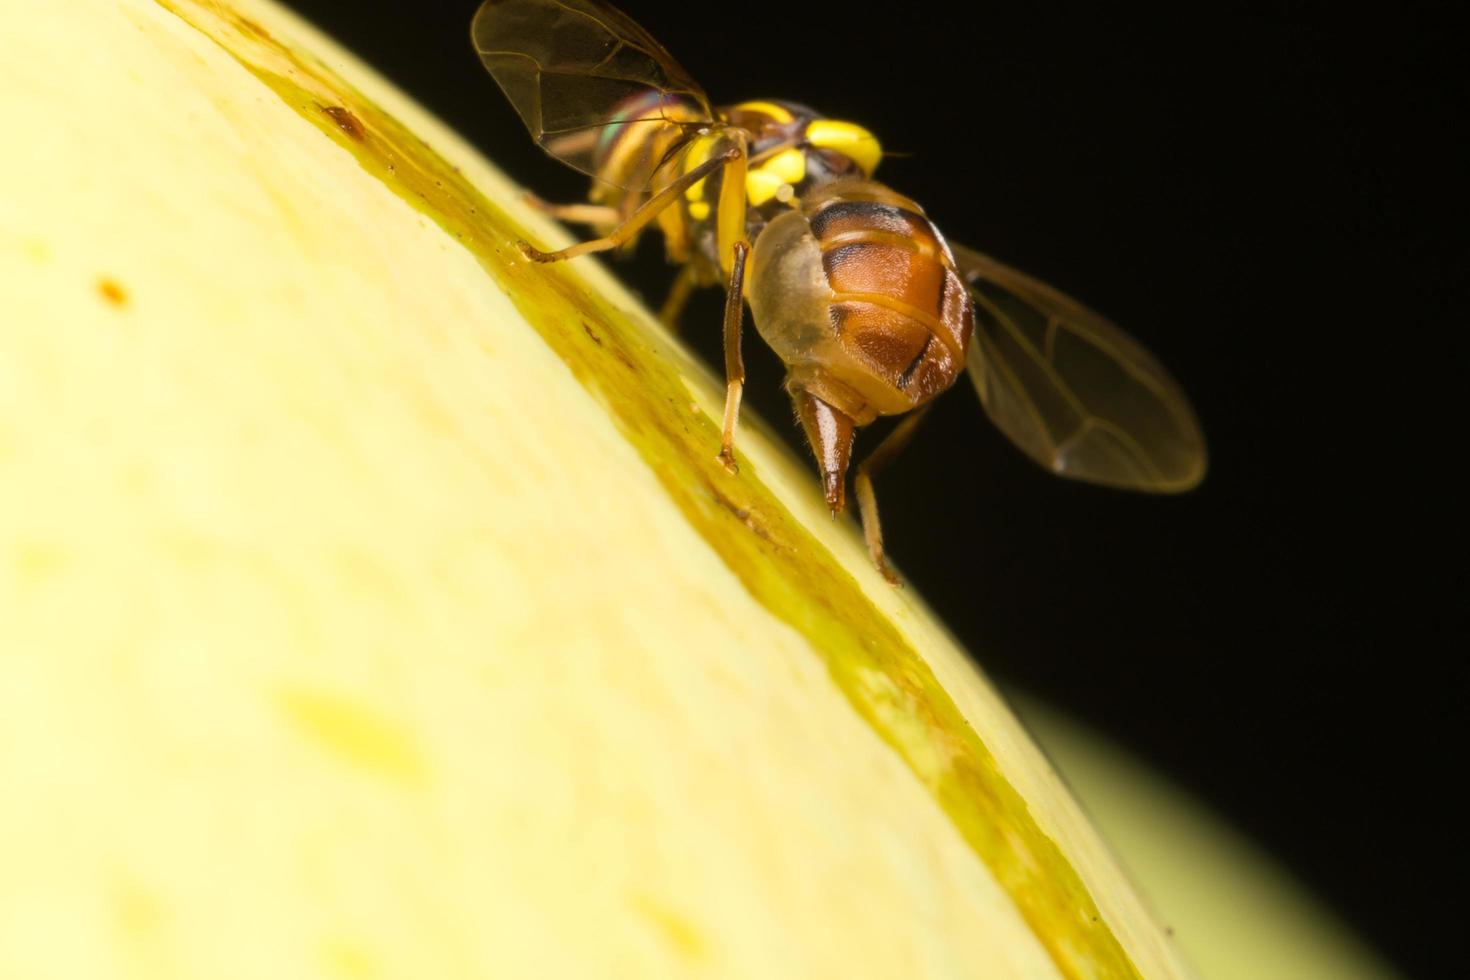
<point x="646" y="212"/>
<point x="734" y="363"/>
<point x="596" y="215"/>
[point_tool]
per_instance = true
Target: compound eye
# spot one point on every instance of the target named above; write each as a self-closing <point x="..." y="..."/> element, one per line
<point x="849" y="139"/>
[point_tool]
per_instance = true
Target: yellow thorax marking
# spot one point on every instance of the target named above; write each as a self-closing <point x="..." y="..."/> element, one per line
<point x="849" y="139"/>
<point x="698" y="153"/>
<point x="764" y="182"/>
<point x="777" y="112"/>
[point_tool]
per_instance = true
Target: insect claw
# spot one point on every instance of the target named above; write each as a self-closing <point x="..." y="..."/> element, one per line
<point x="727" y="460"/>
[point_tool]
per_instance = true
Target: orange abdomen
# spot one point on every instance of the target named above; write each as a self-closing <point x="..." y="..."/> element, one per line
<point x="858" y="294"/>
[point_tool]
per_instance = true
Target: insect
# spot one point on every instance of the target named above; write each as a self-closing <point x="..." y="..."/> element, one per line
<point x="872" y="311"/>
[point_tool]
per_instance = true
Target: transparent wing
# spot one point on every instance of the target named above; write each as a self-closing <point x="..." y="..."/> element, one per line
<point x="579" y="72"/>
<point x="1074" y="392"/>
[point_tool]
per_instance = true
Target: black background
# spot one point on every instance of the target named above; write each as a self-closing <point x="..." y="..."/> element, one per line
<point x="1256" y="194"/>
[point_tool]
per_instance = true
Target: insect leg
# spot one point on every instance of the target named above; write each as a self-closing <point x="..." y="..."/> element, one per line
<point x="862" y="486"/>
<point x="645" y="213"/>
<point x="734" y="363"/>
<point x="684" y="285"/>
<point x="577" y="214"/>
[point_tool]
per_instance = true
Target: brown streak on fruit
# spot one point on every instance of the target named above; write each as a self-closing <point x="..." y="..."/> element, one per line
<point x="346" y="122"/>
<point x="743" y="515"/>
<point x="112" y="291"/>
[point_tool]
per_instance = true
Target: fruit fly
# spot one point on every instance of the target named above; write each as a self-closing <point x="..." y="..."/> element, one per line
<point x="872" y="311"/>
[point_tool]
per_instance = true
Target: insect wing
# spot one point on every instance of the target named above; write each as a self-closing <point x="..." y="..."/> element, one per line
<point x="580" y="73"/>
<point x="1074" y="392"/>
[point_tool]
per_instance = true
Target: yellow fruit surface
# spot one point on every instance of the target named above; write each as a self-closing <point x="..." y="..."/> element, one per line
<point x="372" y="604"/>
<point x="1236" y="913"/>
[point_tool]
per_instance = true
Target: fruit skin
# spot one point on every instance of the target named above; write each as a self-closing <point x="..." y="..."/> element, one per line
<point x="374" y="605"/>
<point x="1238" y="915"/>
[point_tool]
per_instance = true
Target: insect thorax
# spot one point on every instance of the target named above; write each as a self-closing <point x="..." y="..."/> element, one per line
<point x="792" y="151"/>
